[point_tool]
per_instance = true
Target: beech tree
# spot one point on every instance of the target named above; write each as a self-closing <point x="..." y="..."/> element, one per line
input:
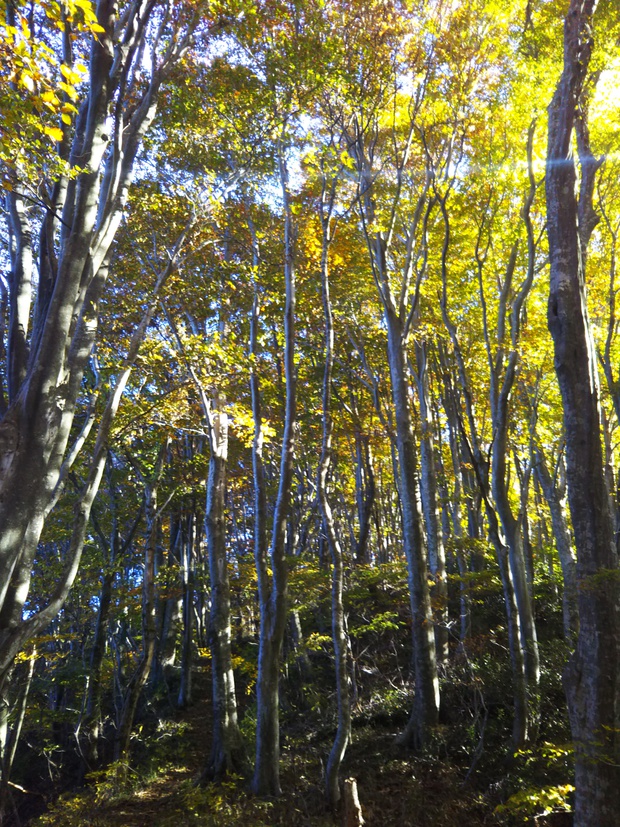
<point x="593" y="675"/>
<point x="52" y="331"/>
<point x="394" y="221"/>
<point x="329" y="184"/>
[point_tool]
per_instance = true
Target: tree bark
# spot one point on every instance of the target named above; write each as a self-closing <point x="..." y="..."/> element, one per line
<point x="228" y="751"/>
<point x="520" y="640"/>
<point x="340" y="637"/>
<point x="171" y="609"/>
<point x="426" y="700"/>
<point x="273" y="596"/>
<point x="92" y="720"/>
<point x="592" y="679"/>
<point x="187" y="609"/>
<point x="430" y="508"/>
<point x="45" y="388"/>
<point x="352" y="809"/>
<point x="364" y="492"/>
<point x="149" y="616"/>
<point x="399" y="310"/>
<point x="113" y="549"/>
<point x="555" y="495"/>
<point x="9" y="736"/>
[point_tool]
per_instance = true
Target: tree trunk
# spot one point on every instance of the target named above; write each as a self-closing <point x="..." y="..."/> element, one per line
<point x="457" y="527"/>
<point x="365" y="493"/>
<point x="428" y="489"/>
<point x="555" y="495"/>
<point x="10" y="735"/>
<point x="340" y="637"/>
<point x="592" y="678"/>
<point x="47" y="366"/>
<point x="188" y="550"/>
<point x="514" y="539"/>
<point x="149" y="618"/>
<point x="521" y="725"/>
<point x="92" y="721"/>
<point x="352" y="809"/>
<point x="522" y="642"/>
<point x="273" y="596"/>
<point x="426" y="700"/>
<point x="228" y="752"/>
<point x="171" y="608"/>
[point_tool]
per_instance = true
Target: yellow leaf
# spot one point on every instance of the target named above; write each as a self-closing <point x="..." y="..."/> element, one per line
<point x="69" y="90"/>
<point x="26" y="80"/>
<point x="72" y="76"/>
<point x="54" y="132"/>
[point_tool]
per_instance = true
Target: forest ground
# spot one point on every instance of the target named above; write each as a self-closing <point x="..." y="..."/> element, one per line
<point x="396" y="788"/>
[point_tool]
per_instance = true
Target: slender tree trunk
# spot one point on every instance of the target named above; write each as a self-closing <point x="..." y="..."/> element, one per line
<point x="20" y="292"/>
<point x="9" y="736"/>
<point x="92" y="721"/>
<point x="592" y="679"/>
<point x="457" y="531"/>
<point x="339" y="633"/>
<point x="514" y="540"/>
<point x="297" y="645"/>
<point x="365" y="491"/>
<point x="341" y="647"/>
<point x="172" y="605"/>
<point x="521" y="725"/>
<point x="228" y="752"/>
<point x="555" y="495"/>
<point x="149" y="618"/>
<point x="503" y="366"/>
<point x="426" y="700"/>
<point x="428" y="489"/>
<point x="188" y="548"/>
<point x="506" y="543"/>
<point x="528" y="551"/>
<point x="273" y="596"/>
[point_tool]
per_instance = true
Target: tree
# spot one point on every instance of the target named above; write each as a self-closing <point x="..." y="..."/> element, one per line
<point x="329" y="183"/>
<point x="141" y="673"/>
<point x="52" y="333"/>
<point x="394" y="220"/>
<point x="593" y="677"/>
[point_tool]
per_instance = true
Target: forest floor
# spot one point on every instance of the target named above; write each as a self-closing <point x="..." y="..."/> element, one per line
<point x="396" y="788"/>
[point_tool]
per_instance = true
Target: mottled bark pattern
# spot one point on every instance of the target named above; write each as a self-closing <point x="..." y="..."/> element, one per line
<point x="430" y="508"/>
<point x="340" y="637"/>
<point x="593" y="677"/>
<point x="555" y="494"/>
<point x="228" y="753"/>
<point x="426" y="700"/>
<point x="273" y="595"/>
<point x="46" y="367"/>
